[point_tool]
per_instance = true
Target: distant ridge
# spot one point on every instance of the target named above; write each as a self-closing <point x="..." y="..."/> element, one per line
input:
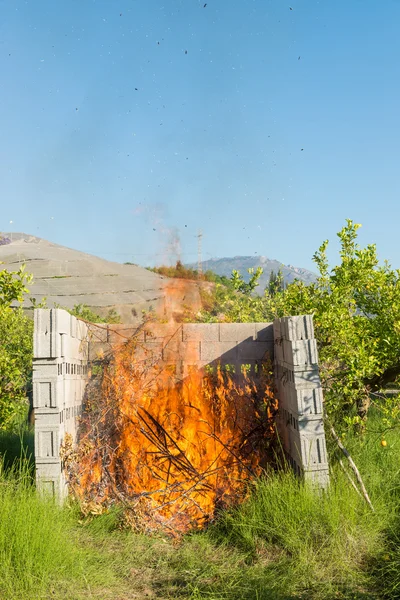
<point x="225" y="266"/>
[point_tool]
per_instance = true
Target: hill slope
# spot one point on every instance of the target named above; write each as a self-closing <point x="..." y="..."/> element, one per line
<point x="67" y="277"/>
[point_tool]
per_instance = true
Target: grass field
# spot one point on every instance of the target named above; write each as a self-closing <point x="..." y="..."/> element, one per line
<point x="284" y="542"/>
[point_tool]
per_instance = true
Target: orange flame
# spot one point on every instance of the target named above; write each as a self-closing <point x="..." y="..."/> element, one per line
<point x="172" y="450"/>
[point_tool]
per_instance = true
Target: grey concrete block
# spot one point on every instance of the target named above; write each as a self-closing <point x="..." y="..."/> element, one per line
<point x="82" y="330"/>
<point x="310" y="426"/>
<point x="237" y="332"/>
<point x="181" y="351"/>
<point x="298" y="377"/>
<point x="300" y="352"/>
<point x="278" y="350"/>
<point x="47" y="443"/>
<point x="215" y="351"/>
<point x="61" y="321"/>
<point x="309" y="451"/>
<point x="319" y="478"/>
<point x="297" y="328"/>
<point x="43" y="368"/>
<point x="148" y="351"/>
<point x="277" y="329"/>
<point x="306" y="401"/>
<point x="264" y="332"/>
<point x="47" y="392"/>
<point x="71" y="348"/>
<point x="159" y="332"/>
<point x="254" y="350"/>
<point x="42" y="334"/>
<point x="200" y="332"/>
<point x="73" y="327"/>
<point x="51" y="470"/>
<point x="51" y="482"/>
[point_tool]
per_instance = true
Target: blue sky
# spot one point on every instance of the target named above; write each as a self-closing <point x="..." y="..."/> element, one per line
<point x="128" y="125"/>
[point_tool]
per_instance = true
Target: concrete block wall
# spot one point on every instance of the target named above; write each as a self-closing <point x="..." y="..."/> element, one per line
<point x="60" y="368"/>
<point x="64" y="347"/>
<point x="298" y="386"/>
<point x="190" y="344"/>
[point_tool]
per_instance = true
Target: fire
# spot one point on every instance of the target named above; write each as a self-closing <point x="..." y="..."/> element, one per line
<point x="171" y="449"/>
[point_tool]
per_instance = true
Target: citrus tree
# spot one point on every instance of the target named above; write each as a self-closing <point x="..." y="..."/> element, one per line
<point x="16" y="335"/>
<point x="356" y="308"/>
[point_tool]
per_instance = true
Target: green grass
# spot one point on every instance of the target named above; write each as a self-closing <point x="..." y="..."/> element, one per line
<point x="284" y="542"/>
<point x="15" y="446"/>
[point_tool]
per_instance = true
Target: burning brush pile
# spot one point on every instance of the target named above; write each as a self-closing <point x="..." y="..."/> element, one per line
<point x="171" y="451"/>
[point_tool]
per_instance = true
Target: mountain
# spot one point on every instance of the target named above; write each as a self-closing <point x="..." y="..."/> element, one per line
<point x="67" y="277"/>
<point x="225" y="266"/>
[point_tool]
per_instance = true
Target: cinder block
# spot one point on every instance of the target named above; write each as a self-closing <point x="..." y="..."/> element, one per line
<point x="42" y="333"/>
<point x="70" y="347"/>
<point x="184" y="351"/>
<point x="148" y="351"/>
<point x="306" y="402"/>
<point x="47" y="443"/>
<point x="254" y="350"/>
<point x="41" y="318"/>
<point x="264" y="332"/>
<point x="163" y="332"/>
<point x="81" y="330"/>
<point x="310" y="426"/>
<point x="237" y="332"/>
<point x="224" y="351"/>
<point x="50" y="481"/>
<point x="47" y="392"/>
<point x="43" y="369"/>
<point x="277" y="328"/>
<point x="309" y="451"/>
<point x="61" y="321"/>
<point x="200" y="332"/>
<point x="319" y="478"/>
<point x="297" y="328"/>
<point x="300" y="352"/>
<point x="278" y="350"/>
<point x="49" y="471"/>
<point x="74" y="327"/>
<point x="297" y="377"/>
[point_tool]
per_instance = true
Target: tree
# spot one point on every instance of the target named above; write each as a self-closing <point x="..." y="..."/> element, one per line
<point x="13" y="285"/>
<point x="275" y="283"/>
<point x="242" y="286"/>
<point x="16" y="347"/>
<point x="356" y="308"/>
<point x="84" y="312"/>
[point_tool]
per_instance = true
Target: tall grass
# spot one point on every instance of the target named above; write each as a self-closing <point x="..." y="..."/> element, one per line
<point x="42" y="554"/>
<point x="17" y="445"/>
<point x="380" y="466"/>
<point x="285" y="541"/>
<point x="37" y="551"/>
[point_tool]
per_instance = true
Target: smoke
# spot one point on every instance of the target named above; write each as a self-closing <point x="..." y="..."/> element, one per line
<point x="169" y="243"/>
<point x="173" y="247"/>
